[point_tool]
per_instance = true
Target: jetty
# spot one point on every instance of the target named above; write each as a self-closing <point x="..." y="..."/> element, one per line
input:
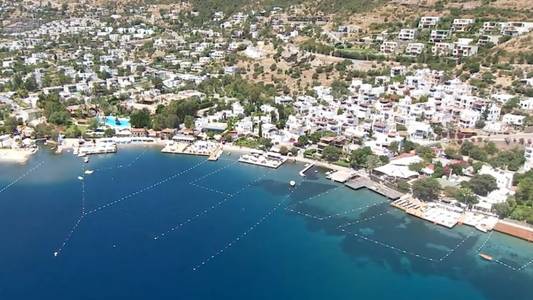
<point x="199" y="148"/>
<point x="360" y="182"/>
<point x="96" y="148"/>
<point x="307" y="167"/>
<point x="444" y="214"/>
<point x="516" y="229"/>
<point x="215" y="155"/>
<point x="342" y="175"/>
<point x="264" y="159"/>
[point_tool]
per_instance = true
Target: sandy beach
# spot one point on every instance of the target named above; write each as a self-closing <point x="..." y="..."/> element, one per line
<point x="19" y="156"/>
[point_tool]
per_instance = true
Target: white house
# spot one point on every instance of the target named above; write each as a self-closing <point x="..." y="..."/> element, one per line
<point x="439" y="35"/>
<point x="515" y="120"/>
<point x="461" y="25"/>
<point x="428" y="22"/>
<point x="407" y="34"/>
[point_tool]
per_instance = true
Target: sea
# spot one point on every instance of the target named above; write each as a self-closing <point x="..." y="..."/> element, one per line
<point x="147" y="225"/>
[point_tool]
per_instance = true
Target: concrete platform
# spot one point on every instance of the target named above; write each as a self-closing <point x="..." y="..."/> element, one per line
<point x="364" y="182"/>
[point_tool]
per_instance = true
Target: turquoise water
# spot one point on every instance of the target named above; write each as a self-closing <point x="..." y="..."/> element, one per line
<point x="150" y="226"/>
<point x="123" y="123"/>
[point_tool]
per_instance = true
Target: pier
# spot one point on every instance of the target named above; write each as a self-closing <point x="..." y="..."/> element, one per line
<point x="97" y="148"/>
<point x="199" y="148"/>
<point x="307" y="167"/>
<point x="513" y="228"/>
<point x="260" y="158"/>
<point x="215" y="155"/>
<point x="364" y="182"/>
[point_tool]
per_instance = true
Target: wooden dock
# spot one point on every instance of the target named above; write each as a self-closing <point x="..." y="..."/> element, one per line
<point x="515" y="229"/>
<point x="364" y="182"/>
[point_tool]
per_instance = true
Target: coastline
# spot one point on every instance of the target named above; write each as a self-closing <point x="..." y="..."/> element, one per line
<point x="18" y="156"/>
<point x="239" y="149"/>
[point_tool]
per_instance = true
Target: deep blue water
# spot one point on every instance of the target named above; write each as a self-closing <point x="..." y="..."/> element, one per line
<point x="244" y="234"/>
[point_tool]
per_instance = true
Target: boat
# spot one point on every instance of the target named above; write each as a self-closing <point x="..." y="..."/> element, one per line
<point x="486" y="256"/>
<point x="89" y="172"/>
<point x="292" y="183"/>
<point x="86" y="159"/>
<point x="55" y="253"/>
<point x="80" y="178"/>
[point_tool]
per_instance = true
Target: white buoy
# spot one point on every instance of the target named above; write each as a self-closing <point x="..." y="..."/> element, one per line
<point x="292" y="183"/>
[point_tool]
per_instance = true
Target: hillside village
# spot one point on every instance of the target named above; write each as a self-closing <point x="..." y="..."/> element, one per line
<point x="434" y="110"/>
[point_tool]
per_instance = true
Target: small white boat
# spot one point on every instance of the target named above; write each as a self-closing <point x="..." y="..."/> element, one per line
<point x="486" y="256"/>
<point x="86" y="159"/>
<point x="55" y="253"/>
<point x="292" y="183"/>
<point x="80" y="178"/>
<point x="89" y="172"/>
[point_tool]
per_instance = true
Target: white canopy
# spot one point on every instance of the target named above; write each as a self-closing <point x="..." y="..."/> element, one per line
<point x="396" y="171"/>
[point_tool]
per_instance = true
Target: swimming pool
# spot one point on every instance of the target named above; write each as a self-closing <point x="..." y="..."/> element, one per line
<point x="115" y="122"/>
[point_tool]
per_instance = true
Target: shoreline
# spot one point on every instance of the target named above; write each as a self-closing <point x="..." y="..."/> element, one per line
<point x="16" y="156"/>
<point x="239" y="149"/>
<point x="21" y="156"/>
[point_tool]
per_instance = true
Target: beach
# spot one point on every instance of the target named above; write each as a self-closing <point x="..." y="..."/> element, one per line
<point x="19" y="156"/>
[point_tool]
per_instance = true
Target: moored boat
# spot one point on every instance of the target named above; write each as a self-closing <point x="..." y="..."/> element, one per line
<point x="486" y="256"/>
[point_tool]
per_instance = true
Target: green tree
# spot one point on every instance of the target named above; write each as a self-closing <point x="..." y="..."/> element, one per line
<point x="331" y="153"/>
<point x="417" y="167"/>
<point x="372" y="162"/>
<point x="425" y="152"/>
<point x="426" y="189"/>
<point x="481" y="184"/>
<point x="140" y="119"/>
<point x="189" y="122"/>
<point x="109" y="132"/>
<point x="303" y="140"/>
<point x="466" y="195"/>
<point x="503" y="210"/>
<point x="358" y="157"/>
<point x="283" y="150"/>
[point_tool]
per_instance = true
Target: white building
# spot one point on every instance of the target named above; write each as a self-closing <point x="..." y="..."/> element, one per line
<point x="428" y="22"/>
<point x="462" y="48"/>
<point x="439" y="35"/>
<point x="468" y="118"/>
<point x="527" y="104"/>
<point x="515" y="120"/>
<point x="388" y="47"/>
<point x="414" y="48"/>
<point x="461" y="25"/>
<point x="442" y="49"/>
<point x="407" y="34"/>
